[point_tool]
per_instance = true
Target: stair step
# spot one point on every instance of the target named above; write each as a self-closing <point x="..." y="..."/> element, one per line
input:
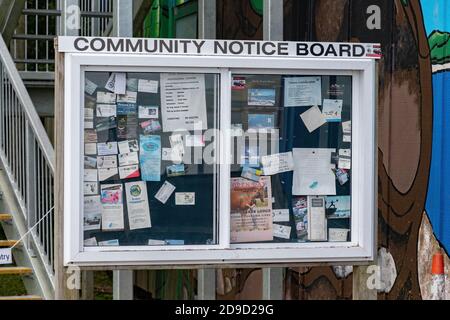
<point x="15" y="271"/>
<point x="5" y="217"/>
<point x="19" y="298"/>
<point x="7" y="243"/>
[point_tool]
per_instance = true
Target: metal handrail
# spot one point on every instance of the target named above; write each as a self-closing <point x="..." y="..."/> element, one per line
<point x="27" y="104"/>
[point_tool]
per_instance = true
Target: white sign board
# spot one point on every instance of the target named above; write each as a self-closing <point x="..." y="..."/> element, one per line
<point x="6" y="256"/>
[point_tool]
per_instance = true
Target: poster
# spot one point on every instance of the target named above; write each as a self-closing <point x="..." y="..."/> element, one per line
<point x="112" y="207"/>
<point x="92" y="213"/>
<point x="261" y="97"/>
<point x="137" y="205"/>
<point x="302" y="91"/>
<point x="251" y="210"/>
<point x="150" y="158"/>
<point x="183" y="102"/>
<point x="300" y="210"/>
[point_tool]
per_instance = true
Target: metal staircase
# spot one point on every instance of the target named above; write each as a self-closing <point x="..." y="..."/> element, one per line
<point x="27" y="157"/>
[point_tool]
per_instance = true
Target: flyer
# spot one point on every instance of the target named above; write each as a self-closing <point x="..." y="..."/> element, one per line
<point x="183" y="102"/>
<point x="129" y="172"/>
<point x="127" y="127"/>
<point x="165" y="192"/>
<point x="109" y="243"/>
<point x="337" y="207"/>
<point x="108" y="174"/>
<point x="90" y="149"/>
<point x="347" y="131"/>
<point x="90" y="175"/>
<point x="107" y="148"/>
<point x="277" y="163"/>
<point x="125" y="109"/>
<point x="168" y="154"/>
<point x="117" y="83"/>
<point x="128" y="146"/>
<point x="132" y="85"/>
<point x="338" y="234"/>
<point x="106" y="98"/>
<point x="300" y="211"/>
<point x="106" y="110"/>
<point x="317" y="222"/>
<point x="112" y="207"/>
<point x="137" y="205"/>
<point x="92" y="213"/>
<point x="150" y="126"/>
<point x="90" y="188"/>
<point x="128" y="159"/>
<point x="251" y="173"/>
<point x="302" y="91"/>
<point x="261" y="97"/>
<point x="280" y="215"/>
<point x="104" y="124"/>
<point x="148" y="112"/>
<point x="332" y="110"/>
<point x="175" y="170"/>
<point x="89" y="87"/>
<point x="128" y="97"/>
<point x="345" y="159"/>
<point x="251" y="210"/>
<point x="104" y="162"/>
<point x="150" y="158"/>
<point x="90" y="136"/>
<point x="313" y="174"/>
<point x="281" y="231"/>
<point x="313" y="118"/>
<point x="261" y="122"/>
<point x="90" y="162"/>
<point x="185" y="198"/>
<point x="148" y="86"/>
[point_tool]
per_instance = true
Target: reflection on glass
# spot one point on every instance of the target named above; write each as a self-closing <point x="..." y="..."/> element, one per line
<point x="291" y="171"/>
<point x="146" y="181"/>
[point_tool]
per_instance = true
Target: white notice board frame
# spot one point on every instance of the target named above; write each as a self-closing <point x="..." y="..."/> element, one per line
<point x="360" y="250"/>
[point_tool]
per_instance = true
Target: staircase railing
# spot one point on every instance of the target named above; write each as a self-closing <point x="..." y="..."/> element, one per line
<point x="28" y="159"/>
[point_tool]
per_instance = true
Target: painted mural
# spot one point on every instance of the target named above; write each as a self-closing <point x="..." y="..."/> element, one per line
<point x="414" y="143"/>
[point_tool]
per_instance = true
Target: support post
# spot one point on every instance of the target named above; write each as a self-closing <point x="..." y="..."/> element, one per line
<point x="207" y="19"/>
<point x="360" y="288"/>
<point x="123" y="18"/>
<point x="206" y="284"/>
<point x="272" y="284"/>
<point x="87" y="285"/>
<point x="273" y="31"/>
<point x="273" y="20"/>
<point x="123" y="27"/>
<point x="70" y="22"/>
<point x="123" y="285"/>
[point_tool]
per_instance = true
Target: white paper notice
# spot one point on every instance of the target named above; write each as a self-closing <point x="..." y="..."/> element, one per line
<point x="90" y="148"/>
<point x="128" y="146"/>
<point x="104" y="162"/>
<point x="107" y="174"/>
<point x="106" y="98"/>
<point x="302" y="91"/>
<point x="337" y="235"/>
<point x="312" y="172"/>
<point x="347" y="131"/>
<point x="106" y="110"/>
<point x="168" y="154"/>
<point x="332" y="110"/>
<point x="280" y="215"/>
<point x="317" y="222"/>
<point x="148" y="86"/>
<point x="128" y="97"/>
<point x="345" y="159"/>
<point x="277" y="163"/>
<point x="120" y="85"/>
<point x="185" y="198"/>
<point x="183" y="102"/>
<point x="90" y="87"/>
<point x="280" y="231"/>
<point x="128" y="159"/>
<point x="148" y="112"/>
<point x="112" y="207"/>
<point x="91" y="242"/>
<point x="165" y="192"/>
<point x="90" y="188"/>
<point x="108" y="148"/>
<point x="90" y="175"/>
<point x="313" y="118"/>
<point x="92" y="213"/>
<point x="137" y="204"/>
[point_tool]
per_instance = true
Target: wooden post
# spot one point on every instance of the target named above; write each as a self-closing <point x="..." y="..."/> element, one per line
<point x="360" y="289"/>
<point x="206" y="284"/>
<point x="62" y="292"/>
<point x="87" y="285"/>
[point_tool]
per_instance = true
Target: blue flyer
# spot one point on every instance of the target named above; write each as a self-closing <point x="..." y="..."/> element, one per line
<point x="125" y="109"/>
<point x="150" y="158"/>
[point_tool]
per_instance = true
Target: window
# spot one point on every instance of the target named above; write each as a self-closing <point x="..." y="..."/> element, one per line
<point x="211" y="160"/>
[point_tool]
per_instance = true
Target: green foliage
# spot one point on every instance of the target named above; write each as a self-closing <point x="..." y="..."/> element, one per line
<point x="258" y="6"/>
<point x="439" y="47"/>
